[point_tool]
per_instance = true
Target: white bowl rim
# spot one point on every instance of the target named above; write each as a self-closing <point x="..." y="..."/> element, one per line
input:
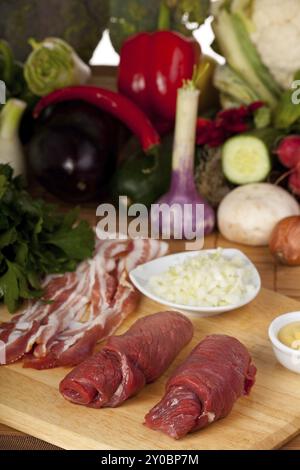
<point x="290" y="317"/>
<point x="199" y="308"/>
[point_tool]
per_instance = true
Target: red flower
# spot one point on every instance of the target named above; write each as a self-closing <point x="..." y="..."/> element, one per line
<point x="227" y="123"/>
<point x="234" y="121"/>
<point x="208" y="133"/>
<point x="256" y="105"/>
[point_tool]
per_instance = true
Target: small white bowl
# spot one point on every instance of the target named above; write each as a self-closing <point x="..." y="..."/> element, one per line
<point x="288" y="357"/>
<point x="140" y="278"/>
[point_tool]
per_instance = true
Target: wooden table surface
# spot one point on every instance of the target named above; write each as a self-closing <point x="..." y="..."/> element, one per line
<point x="282" y="279"/>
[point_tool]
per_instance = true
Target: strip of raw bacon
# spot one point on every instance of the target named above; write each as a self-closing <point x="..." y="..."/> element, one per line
<point x="74" y="303"/>
<point x="102" y="287"/>
<point x="204" y="387"/>
<point x="78" y="340"/>
<point x="142" y="250"/>
<point x="69" y="294"/>
<point x="79" y="300"/>
<point x="19" y="334"/>
<point x="113" y="298"/>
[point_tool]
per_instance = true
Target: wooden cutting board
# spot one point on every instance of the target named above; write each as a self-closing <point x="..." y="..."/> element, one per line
<point x="30" y="402"/>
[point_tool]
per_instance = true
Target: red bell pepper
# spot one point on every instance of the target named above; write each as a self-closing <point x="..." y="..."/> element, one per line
<point x="152" y="68"/>
<point x="114" y="103"/>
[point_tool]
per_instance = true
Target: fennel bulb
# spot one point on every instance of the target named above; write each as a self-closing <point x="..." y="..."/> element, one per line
<point x="53" y="64"/>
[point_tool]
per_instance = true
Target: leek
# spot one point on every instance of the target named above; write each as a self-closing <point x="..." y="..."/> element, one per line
<point x="232" y="34"/>
<point x="11" y="151"/>
<point x="232" y="85"/>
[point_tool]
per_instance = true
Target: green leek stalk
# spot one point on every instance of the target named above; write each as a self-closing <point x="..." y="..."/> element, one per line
<point x="164" y="17"/>
<point x="233" y="87"/>
<point x="7" y="65"/>
<point x="11" y="151"/>
<point x="241" y="55"/>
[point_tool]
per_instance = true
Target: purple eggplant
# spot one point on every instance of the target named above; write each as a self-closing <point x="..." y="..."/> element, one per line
<point x="74" y="150"/>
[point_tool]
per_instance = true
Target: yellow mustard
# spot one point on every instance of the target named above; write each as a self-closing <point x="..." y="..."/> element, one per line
<point x="290" y="335"/>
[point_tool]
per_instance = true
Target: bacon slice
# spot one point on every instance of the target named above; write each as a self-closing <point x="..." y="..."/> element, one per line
<point x="20" y="333"/>
<point x="128" y="362"/>
<point x="204" y="387"/>
<point x="78" y="340"/>
<point x="86" y="306"/>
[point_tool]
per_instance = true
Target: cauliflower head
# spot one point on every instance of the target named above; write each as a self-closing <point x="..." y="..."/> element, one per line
<point x="276" y="35"/>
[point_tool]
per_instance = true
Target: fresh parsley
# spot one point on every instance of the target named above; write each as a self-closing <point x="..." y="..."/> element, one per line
<point x="35" y="240"/>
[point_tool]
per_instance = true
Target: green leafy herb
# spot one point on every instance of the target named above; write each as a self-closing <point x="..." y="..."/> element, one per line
<point x="35" y="240"/>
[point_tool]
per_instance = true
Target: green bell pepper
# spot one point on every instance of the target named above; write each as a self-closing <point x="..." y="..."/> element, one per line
<point x="143" y="178"/>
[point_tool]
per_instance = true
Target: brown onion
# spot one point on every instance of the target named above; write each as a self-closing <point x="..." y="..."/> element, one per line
<point x="285" y="241"/>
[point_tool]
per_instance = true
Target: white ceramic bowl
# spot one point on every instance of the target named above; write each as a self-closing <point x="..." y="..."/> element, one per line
<point x="288" y="357"/>
<point x="140" y="278"/>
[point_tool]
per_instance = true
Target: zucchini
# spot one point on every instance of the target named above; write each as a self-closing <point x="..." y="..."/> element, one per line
<point x="246" y="159"/>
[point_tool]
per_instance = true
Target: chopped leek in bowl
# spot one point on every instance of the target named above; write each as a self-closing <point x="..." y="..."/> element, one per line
<point x="208" y="281"/>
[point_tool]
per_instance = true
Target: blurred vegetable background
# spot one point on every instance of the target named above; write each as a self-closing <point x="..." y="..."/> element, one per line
<point x="82" y="22"/>
<point x="79" y="22"/>
<point x="133" y="16"/>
